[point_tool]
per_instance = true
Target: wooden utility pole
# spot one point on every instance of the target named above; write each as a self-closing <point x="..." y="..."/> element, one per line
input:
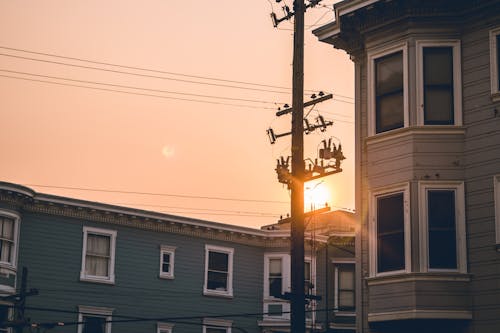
<point x="297" y="320"/>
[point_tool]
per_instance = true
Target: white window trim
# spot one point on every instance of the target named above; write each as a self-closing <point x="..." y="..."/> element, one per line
<point x="382" y="192"/>
<point x="457" y="78"/>
<point x="97" y="312"/>
<point x="312" y="262"/>
<point x="6" y="267"/>
<point x="495" y="89"/>
<point x="336" y="283"/>
<point x="372" y="56"/>
<point x="92" y="278"/>
<point x="171" y="251"/>
<point x="270" y="300"/>
<point x="496" y="188"/>
<point x="230" y="252"/>
<point x="217" y="323"/>
<point x="164" y="327"/>
<point x="458" y="187"/>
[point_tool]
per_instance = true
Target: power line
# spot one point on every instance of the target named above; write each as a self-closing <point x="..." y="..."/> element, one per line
<point x="149" y="70"/>
<point x="146" y="69"/>
<point x="143" y="75"/>
<point x="138" y="88"/>
<point x="207" y="210"/>
<point x="155" y="194"/>
<point x="136" y="93"/>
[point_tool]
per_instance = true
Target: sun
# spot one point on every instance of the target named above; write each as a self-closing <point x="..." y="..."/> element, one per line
<point x="316" y="196"/>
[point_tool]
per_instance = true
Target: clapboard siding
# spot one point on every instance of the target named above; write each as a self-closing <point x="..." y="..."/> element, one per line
<point x="52" y="249"/>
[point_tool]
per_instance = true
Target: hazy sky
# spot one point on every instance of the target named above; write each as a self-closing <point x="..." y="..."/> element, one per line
<point x="161" y="134"/>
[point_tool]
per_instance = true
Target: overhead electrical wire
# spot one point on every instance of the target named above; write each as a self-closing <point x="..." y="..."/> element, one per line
<point x="149" y="70"/>
<point x="136" y="93"/>
<point x="146" y="69"/>
<point x="155" y="194"/>
<point x="138" y="88"/>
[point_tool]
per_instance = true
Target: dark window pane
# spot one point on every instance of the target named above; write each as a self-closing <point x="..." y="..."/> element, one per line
<point x="390" y="233"/>
<point x="215" y="330"/>
<point x="217" y="281"/>
<point x="442" y="230"/>
<point x="389" y="92"/>
<point x="218" y="261"/>
<point x="275" y="286"/>
<point x="166" y="263"/>
<point x="94" y="325"/>
<point x="438" y="86"/>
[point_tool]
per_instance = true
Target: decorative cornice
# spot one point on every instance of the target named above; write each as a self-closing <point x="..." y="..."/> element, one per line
<point x="21" y="199"/>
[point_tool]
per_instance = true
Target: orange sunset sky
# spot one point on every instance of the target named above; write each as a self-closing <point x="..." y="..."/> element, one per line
<point x="190" y="131"/>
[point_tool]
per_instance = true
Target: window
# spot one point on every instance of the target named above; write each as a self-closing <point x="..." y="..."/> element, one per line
<point x="388" y="87"/>
<point x="276" y="283"/>
<point x="275" y="277"/>
<point x="495" y="63"/>
<point x="344" y="287"/>
<point x="212" y="325"/>
<point x="439" y="83"/>
<point x="496" y="186"/>
<point x="218" y="271"/>
<point x="94" y="319"/>
<point x="167" y="256"/>
<point x="8" y="239"/>
<point x="98" y="255"/>
<point x="442" y="226"/>
<point x="390" y="243"/>
<point x="164" y="328"/>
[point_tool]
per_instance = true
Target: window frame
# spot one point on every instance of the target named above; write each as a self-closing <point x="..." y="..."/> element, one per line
<point x="12" y="265"/>
<point x="458" y="187"/>
<point x="164" y="327"/>
<point x="496" y="198"/>
<point x="373" y="244"/>
<point x="230" y="252"/>
<point x="110" y="279"/>
<point x="170" y="250"/>
<point x="336" y="291"/>
<point x="217" y="324"/>
<point x="494" y="64"/>
<point x="373" y="55"/>
<point x="457" y="79"/>
<point x="270" y="300"/>
<point x="94" y="311"/>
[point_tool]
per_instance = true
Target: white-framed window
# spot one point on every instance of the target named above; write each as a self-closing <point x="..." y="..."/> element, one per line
<point x="495" y="63"/>
<point x="214" y="325"/>
<point x="164" y="328"/>
<point x="442" y="226"/>
<point x="167" y="261"/>
<point x="310" y="287"/>
<point x="439" y="82"/>
<point x="276" y="284"/>
<point x="496" y="189"/>
<point x="387" y="89"/>
<point x="218" y="271"/>
<point x="9" y="236"/>
<point x="93" y="319"/>
<point x="390" y="243"/>
<point x="344" y="286"/>
<point x="98" y="255"/>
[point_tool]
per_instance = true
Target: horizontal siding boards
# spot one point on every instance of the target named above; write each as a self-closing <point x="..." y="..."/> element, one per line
<point x="51" y="249"/>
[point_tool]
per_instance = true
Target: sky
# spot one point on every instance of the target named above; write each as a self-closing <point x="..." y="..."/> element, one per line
<point x="164" y="105"/>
